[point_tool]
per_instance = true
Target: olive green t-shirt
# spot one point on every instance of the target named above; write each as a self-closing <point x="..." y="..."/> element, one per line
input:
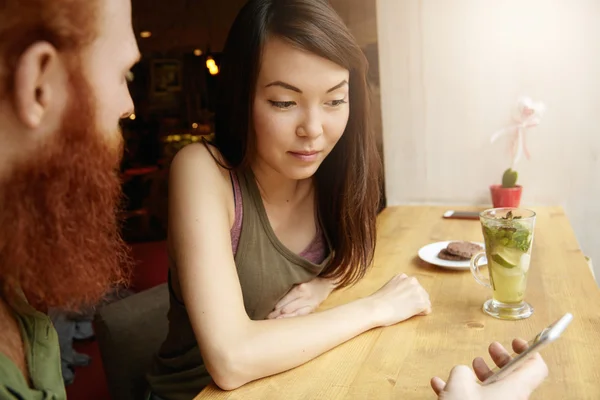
<point x="266" y="269"/>
<point x="43" y="360"/>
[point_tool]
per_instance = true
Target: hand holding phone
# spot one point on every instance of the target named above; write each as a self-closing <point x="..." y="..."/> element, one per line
<point x="519" y="383"/>
<point x="464" y="382"/>
<point x="545" y="337"/>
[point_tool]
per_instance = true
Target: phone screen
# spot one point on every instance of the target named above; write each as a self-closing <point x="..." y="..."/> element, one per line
<point x="548" y="335"/>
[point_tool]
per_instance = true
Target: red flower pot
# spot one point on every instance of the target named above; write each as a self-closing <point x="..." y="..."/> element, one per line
<point x="506" y="197"/>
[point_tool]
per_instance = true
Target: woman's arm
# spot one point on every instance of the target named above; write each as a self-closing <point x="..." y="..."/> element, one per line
<point x="237" y="350"/>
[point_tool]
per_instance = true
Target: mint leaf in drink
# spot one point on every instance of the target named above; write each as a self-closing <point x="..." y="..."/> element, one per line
<point x="517" y="235"/>
<point x="522" y="240"/>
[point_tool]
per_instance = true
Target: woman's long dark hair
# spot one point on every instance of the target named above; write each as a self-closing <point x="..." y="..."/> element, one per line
<point x="348" y="180"/>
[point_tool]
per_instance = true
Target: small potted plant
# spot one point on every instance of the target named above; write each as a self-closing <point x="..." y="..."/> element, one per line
<point x="508" y="194"/>
<point x="527" y="115"/>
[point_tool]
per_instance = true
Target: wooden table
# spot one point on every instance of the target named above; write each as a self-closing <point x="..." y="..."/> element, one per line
<point x="397" y="362"/>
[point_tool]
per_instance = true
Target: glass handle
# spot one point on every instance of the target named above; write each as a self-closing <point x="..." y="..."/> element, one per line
<point x="475" y="270"/>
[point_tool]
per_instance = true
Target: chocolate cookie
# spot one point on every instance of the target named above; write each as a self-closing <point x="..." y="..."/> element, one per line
<point x="445" y="255"/>
<point x="464" y="249"/>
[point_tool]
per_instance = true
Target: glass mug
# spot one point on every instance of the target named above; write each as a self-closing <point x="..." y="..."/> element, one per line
<point x="508" y="236"/>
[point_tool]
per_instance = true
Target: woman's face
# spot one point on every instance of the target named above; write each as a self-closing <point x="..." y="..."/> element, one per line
<point x="300" y="111"/>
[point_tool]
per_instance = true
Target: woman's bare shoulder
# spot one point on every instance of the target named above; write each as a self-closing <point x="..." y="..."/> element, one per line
<point x="202" y="160"/>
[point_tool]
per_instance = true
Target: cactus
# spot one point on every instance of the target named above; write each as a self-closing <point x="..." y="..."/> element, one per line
<point x="509" y="179"/>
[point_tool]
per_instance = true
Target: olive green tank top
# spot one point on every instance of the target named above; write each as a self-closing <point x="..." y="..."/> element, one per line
<point x="267" y="270"/>
<point x="43" y="360"/>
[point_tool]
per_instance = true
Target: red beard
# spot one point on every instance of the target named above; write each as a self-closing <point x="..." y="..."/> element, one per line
<point x="59" y="233"/>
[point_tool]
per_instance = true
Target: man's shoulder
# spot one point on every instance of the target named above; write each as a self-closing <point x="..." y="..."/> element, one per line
<point x="9" y="392"/>
<point x="39" y="339"/>
<point x="12" y="383"/>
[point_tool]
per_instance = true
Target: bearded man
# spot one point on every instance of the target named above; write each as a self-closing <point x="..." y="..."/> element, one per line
<point x="64" y="66"/>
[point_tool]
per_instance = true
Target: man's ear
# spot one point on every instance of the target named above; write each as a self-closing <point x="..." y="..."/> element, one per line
<point x="37" y="75"/>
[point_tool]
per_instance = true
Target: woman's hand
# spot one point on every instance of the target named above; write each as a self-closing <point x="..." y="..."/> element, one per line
<point x="303" y="299"/>
<point x="399" y="299"/>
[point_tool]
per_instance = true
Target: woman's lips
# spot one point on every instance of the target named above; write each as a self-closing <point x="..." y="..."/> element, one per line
<point x="306" y="156"/>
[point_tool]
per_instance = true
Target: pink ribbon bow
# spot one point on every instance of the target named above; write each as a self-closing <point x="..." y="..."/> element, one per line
<point x="528" y="115"/>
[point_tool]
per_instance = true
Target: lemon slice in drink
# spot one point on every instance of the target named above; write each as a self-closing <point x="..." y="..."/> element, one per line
<point x="507" y="257"/>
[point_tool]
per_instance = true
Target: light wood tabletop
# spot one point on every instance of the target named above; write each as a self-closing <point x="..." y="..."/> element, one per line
<point x="397" y="362"/>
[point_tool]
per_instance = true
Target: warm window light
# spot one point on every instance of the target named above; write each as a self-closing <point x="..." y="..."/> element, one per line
<point x="210" y="63"/>
<point x="195" y="125"/>
<point x="132" y="117"/>
<point x="197" y="52"/>
<point x="213" y="70"/>
<point x="145" y="34"/>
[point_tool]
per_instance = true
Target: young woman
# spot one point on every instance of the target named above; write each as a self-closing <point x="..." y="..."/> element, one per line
<point x="280" y="211"/>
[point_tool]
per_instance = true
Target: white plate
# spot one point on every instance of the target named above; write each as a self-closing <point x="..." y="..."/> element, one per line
<point x="430" y="253"/>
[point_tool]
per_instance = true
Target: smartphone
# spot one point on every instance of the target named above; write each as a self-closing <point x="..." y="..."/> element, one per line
<point x="545" y="337"/>
<point x="451" y="214"/>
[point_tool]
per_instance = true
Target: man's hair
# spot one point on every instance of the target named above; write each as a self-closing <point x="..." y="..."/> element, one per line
<point x="66" y="24"/>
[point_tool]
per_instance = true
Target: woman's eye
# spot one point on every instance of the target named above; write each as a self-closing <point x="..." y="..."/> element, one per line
<point x="335" y="103"/>
<point x="282" y="104"/>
